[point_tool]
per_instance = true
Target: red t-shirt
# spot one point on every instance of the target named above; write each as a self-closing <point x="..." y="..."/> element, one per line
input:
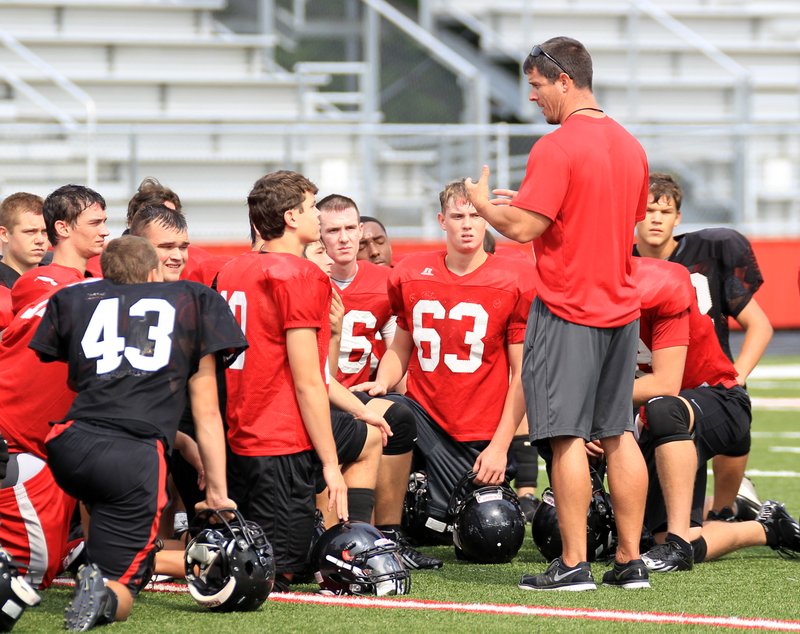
<point x="41" y="281"/>
<point x="590" y="178"/>
<point x="32" y="393"/>
<point x="6" y="313"/>
<point x="666" y="294"/>
<point x="270" y="293"/>
<point x="461" y="326"/>
<point x="367" y="310"/>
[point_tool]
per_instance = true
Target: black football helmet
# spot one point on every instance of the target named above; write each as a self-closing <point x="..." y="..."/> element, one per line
<point x="229" y="563"/>
<point x="356" y="558"/>
<point x="416" y="521"/>
<point x="16" y="594"/>
<point x="488" y="522"/>
<point x="601" y="531"/>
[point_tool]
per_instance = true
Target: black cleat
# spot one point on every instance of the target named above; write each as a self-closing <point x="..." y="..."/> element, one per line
<point x="783" y="531"/>
<point x="630" y="576"/>
<point x="668" y="557"/>
<point x="93" y="604"/>
<point x="560" y="577"/>
<point x="411" y="557"/>
<point x="725" y="514"/>
<point x="529" y="503"/>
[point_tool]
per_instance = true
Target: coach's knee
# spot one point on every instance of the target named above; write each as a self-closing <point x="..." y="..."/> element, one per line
<point x="404" y="430"/>
<point x="668" y="419"/>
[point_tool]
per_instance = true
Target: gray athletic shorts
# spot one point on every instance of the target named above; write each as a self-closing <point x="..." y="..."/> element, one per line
<point x="578" y="380"/>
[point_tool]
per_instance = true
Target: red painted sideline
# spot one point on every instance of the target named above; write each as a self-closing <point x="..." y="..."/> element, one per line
<point x="510" y="609"/>
<point x="779" y="261"/>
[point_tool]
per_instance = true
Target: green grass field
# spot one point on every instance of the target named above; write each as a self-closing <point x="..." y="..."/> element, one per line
<point x="754" y="582"/>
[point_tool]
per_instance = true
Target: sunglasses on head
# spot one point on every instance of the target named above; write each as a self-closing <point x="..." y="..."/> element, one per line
<point x="537" y="50"/>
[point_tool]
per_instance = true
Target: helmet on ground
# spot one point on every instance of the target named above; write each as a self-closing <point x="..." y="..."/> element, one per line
<point x="229" y="562"/>
<point x="488" y="522"/>
<point x="600" y="526"/>
<point x="416" y="521"/>
<point x="356" y="558"/>
<point x="16" y="594"/>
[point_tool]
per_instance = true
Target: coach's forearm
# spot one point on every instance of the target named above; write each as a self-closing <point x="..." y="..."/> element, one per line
<point x="514" y="223"/>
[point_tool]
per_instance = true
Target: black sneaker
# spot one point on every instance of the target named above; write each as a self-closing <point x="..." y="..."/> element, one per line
<point x="783" y="531"/>
<point x="725" y="514"/>
<point x="632" y="575"/>
<point x="411" y="557"/>
<point x="93" y="604"/>
<point x="560" y="577"/>
<point x="529" y="503"/>
<point x="668" y="557"/>
<point x="747" y="502"/>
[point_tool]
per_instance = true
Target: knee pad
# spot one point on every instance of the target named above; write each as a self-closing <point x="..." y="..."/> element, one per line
<point x="667" y="419"/>
<point x="699" y="550"/>
<point x="404" y="430"/>
<point x="527" y="459"/>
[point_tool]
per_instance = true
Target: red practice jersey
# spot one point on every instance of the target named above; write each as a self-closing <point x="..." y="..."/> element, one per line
<point x="32" y="393"/>
<point x="664" y="294"/>
<point x="42" y="281"/>
<point x="270" y="293"/>
<point x="461" y="326"/>
<point x="367" y="311"/>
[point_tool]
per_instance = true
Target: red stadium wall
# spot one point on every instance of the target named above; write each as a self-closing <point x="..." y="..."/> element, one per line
<point x="779" y="261"/>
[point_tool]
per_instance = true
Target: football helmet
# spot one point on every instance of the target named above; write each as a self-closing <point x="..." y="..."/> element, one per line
<point x="600" y="526"/>
<point x="229" y="563"/>
<point x="416" y="521"/>
<point x="488" y="522"/>
<point x="16" y="594"/>
<point x="356" y="558"/>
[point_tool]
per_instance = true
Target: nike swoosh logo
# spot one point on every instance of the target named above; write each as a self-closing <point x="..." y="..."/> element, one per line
<point x="559" y="577"/>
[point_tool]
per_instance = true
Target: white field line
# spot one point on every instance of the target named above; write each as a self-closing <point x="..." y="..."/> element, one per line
<point x="775" y="434"/>
<point x="775" y="372"/>
<point x="511" y="610"/>
<point x="785" y="449"/>
<point x="775" y="404"/>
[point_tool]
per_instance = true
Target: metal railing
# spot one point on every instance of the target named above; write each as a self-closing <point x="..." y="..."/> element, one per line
<point x="62" y="82"/>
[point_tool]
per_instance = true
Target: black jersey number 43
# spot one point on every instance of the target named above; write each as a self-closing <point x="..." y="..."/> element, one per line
<point x="103" y="342"/>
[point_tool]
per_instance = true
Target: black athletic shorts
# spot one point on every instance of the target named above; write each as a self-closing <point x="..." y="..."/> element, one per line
<point x="277" y="492"/>
<point x="443" y="459"/>
<point x="122" y="481"/>
<point x="350" y="435"/>
<point x="721" y="427"/>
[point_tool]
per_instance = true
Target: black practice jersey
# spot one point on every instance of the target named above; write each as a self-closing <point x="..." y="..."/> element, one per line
<point x="131" y="349"/>
<point x="724" y="273"/>
<point x="7" y="275"/>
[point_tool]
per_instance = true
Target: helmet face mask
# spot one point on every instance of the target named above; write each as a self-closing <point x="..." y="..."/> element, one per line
<point x="488" y="522"/>
<point x="601" y="531"/>
<point x="355" y="558"/>
<point x="229" y="563"/>
<point x="416" y="520"/>
<point x="16" y="594"/>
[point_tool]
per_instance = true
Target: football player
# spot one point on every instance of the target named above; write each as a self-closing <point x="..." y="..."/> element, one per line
<point x="23" y="238"/>
<point x="683" y="429"/>
<point x="278" y="411"/>
<point x="460" y="323"/>
<point x="367" y="327"/>
<point x="34" y="512"/>
<point x="374" y="244"/>
<point x="725" y="275"/>
<point x="167" y="231"/>
<point x="692" y="408"/>
<point x="132" y="349"/>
